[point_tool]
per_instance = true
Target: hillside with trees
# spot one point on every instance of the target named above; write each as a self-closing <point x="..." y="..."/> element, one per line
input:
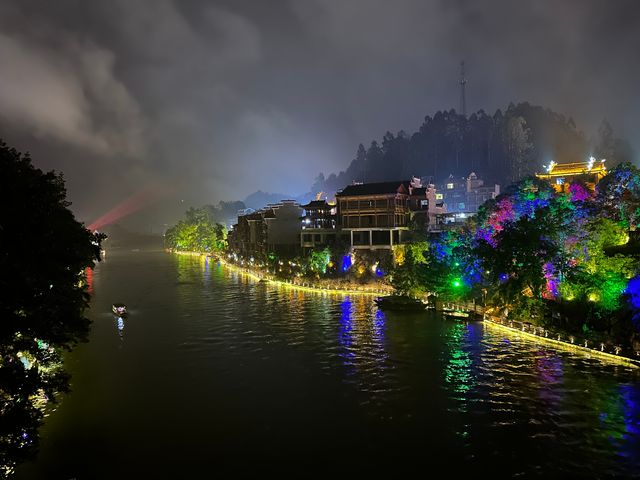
<point x="504" y="148"/>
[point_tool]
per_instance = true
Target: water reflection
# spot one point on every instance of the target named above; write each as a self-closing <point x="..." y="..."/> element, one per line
<point x="120" y="327"/>
<point x="619" y="416"/>
<point x="549" y="369"/>
<point x="345" y="335"/>
<point x="498" y="389"/>
<point x="458" y="371"/>
<point x="88" y="273"/>
<point x="379" y="328"/>
<point x="207" y="270"/>
<point x="267" y="366"/>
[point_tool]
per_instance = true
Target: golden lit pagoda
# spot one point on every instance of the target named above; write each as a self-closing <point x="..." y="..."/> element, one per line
<point x="561" y="175"/>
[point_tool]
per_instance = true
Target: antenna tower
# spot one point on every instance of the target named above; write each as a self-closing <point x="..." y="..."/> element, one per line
<point x="463" y="98"/>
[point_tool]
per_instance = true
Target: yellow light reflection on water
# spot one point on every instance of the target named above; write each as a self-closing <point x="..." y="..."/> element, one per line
<point x="574" y="348"/>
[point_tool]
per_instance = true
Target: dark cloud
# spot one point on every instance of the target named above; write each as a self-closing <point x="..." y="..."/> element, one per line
<point x="218" y="99"/>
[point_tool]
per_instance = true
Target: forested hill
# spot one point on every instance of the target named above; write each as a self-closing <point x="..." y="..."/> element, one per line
<point x="503" y="147"/>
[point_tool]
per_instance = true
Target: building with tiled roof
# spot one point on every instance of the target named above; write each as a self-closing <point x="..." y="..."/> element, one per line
<point x="275" y="228"/>
<point x="318" y="225"/>
<point x="377" y="215"/>
<point x="561" y="175"/>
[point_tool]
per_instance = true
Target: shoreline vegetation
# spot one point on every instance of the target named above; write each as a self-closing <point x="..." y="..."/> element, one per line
<point x="603" y="350"/>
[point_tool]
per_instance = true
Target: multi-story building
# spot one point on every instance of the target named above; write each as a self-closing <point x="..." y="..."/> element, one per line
<point x="376" y="215"/>
<point x="425" y="204"/>
<point x="275" y="228"/>
<point x="465" y="195"/>
<point x="247" y="238"/>
<point x="318" y="225"/>
<point x="478" y="193"/>
<point x="283" y="227"/>
<point x="380" y="215"/>
<point x="461" y="198"/>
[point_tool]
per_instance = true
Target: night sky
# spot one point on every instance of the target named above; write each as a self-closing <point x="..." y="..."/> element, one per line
<point x="213" y="100"/>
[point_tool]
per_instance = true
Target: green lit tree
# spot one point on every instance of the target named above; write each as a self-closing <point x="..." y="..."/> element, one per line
<point x="408" y="277"/>
<point x="319" y="260"/>
<point x="198" y="232"/>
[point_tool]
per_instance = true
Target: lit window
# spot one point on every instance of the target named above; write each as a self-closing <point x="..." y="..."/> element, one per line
<point x="449" y="186"/>
<point x="439" y="196"/>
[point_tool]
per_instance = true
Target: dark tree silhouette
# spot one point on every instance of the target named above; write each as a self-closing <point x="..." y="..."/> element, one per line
<point x="44" y="252"/>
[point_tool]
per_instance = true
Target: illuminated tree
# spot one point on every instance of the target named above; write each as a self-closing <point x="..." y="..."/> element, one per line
<point x="522" y="249"/>
<point x="618" y="195"/>
<point x="409" y="276"/>
<point x="319" y="259"/>
<point x="199" y="233"/>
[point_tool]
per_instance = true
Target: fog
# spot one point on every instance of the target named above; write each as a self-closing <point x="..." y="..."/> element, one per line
<point x="172" y="104"/>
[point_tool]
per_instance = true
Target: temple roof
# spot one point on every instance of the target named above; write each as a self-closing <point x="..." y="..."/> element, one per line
<point x="574" y="168"/>
<point x="380" y="188"/>
<point x="316" y="204"/>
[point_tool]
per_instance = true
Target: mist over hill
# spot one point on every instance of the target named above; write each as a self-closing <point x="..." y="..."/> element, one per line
<point x="502" y="148"/>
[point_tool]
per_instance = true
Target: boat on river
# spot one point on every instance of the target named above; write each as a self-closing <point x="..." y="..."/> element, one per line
<point x="119" y="309"/>
<point x="400" y="303"/>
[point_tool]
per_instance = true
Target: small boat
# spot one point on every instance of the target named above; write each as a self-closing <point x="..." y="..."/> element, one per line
<point x="399" y="302"/>
<point x="119" y="309"/>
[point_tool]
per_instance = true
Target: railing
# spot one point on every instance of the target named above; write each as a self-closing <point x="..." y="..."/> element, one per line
<point x="608" y="351"/>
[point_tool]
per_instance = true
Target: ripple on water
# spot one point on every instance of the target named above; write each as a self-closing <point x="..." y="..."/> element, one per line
<point x="337" y="364"/>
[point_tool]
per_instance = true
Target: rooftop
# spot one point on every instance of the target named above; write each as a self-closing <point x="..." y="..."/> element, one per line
<point x="380" y="188"/>
<point x="317" y="204"/>
<point x="574" y="168"/>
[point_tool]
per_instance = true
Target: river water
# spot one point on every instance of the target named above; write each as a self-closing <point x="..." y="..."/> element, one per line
<point x="215" y="372"/>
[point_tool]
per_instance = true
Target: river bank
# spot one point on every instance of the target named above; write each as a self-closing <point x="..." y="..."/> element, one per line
<point x="337" y="286"/>
<point x="265" y="371"/>
<point x="605" y="350"/>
